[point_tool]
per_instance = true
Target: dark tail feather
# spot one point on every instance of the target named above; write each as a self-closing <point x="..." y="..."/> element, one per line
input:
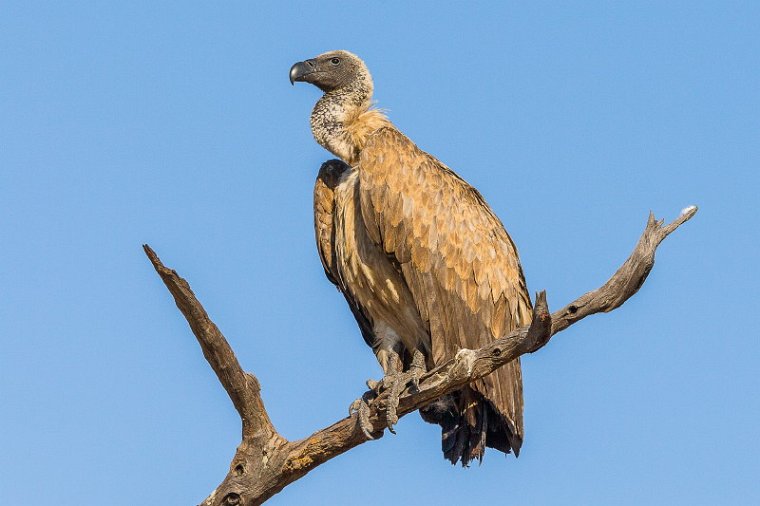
<point x="468" y="425"/>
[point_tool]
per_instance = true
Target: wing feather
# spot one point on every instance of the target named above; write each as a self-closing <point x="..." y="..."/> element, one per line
<point x="455" y="255"/>
<point x="324" y="229"/>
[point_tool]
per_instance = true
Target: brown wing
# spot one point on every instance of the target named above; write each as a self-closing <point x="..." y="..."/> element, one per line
<point x="324" y="207"/>
<point x="455" y="256"/>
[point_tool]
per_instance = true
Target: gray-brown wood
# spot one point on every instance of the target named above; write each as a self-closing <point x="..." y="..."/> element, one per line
<point x="265" y="462"/>
<point x="243" y="388"/>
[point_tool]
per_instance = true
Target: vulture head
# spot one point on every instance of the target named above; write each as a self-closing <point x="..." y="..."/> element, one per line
<point x="333" y="71"/>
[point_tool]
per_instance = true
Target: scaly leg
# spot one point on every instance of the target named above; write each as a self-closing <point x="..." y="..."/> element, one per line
<point x="417" y="368"/>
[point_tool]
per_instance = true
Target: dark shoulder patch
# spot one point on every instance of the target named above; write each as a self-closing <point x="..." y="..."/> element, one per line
<point x="331" y="171"/>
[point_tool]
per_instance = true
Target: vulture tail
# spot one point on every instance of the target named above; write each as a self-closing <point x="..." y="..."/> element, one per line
<point x="469" y="424"/>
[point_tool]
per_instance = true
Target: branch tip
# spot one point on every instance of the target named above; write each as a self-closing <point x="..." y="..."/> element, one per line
<point x="686" y="214"/>
<point x="152" y="256"/>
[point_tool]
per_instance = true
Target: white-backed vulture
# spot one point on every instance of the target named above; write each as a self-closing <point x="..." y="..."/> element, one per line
<point x="425" y="265"/>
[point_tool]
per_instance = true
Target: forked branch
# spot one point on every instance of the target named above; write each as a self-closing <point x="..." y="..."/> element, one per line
<point x="265" y="462"/>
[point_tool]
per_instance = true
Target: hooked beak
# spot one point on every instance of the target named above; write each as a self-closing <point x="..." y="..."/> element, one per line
<point x="300" y="70"/>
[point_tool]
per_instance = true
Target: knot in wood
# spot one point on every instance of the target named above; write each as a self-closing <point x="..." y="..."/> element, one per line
<point x="465" y="360"/>
<point x="232" y="499"/>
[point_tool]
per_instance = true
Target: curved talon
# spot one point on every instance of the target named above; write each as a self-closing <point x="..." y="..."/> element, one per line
<point x="364" y="424"/>
<point x="353" y="407"/>
<point x="361" y="407"/>
<point x="414" y="381"/>
<point x="396" y="387"/>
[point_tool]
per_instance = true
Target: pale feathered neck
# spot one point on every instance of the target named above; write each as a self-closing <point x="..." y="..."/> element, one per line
<point x="343" y="121"/>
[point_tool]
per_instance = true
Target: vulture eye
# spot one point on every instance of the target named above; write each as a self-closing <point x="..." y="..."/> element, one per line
<point x="335" y="61"/>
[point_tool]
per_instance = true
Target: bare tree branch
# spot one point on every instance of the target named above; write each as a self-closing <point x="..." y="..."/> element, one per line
<point x="265" y="462"/>
<point x="243" y="388"/>
<point x="628" y="278"/>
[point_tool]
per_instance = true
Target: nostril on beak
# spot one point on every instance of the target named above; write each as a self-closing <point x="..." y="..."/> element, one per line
<point x="302" y="69"/>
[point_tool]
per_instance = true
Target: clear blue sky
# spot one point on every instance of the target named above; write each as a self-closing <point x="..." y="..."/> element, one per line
<point x="174" y="124"/>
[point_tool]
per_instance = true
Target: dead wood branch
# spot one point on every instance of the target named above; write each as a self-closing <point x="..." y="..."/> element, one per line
<point x="243" y="388"/>
<point x="265" y="462"/>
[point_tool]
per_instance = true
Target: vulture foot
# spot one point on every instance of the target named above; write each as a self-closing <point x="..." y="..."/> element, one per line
<point x="387" y="392"/>
<point x="361" y="407"/>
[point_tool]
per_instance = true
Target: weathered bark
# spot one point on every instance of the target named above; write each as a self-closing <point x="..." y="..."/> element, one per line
<point x="265" y="462"/>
